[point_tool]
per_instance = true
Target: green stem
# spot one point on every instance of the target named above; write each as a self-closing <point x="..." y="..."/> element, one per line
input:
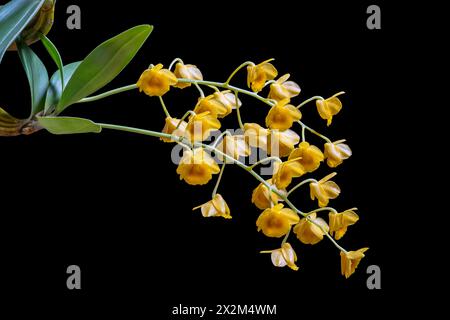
<point x="238" y="163"/>
<point x="202" y="94"/>
<point x="314" y="131"/>
<point x="238" y="111"/>
<point x="227" y="86"/>
<point x="247" y="63"/>
<point x="163" y="105"/>
<point x="219" y="138"/>
<point x="286" y="237"/>
<point x="309" y="100"/>
<point x="175" y="61"/>
<point x="265" y="160"/>
<point x="322" y="209"/>
<point x="300" y="184"/>
<point x="189" y="112"/>
<point x="218" y="180"/>
<point x="108" y="93"/>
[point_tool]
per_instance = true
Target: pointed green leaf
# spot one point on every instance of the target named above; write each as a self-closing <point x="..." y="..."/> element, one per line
<point x="37" y="77"/>
<point x="14" y="17"/>
<point x="103" y="64"/>
<point x="54" y="54"/>
<point x="9" y="125"/>
<point x="68" y="125"/>
<point x="54" y="90"/>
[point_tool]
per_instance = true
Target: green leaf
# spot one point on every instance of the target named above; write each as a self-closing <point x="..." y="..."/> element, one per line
<point x="54" y="53"/>
<point x="37" y="77"/>
<point x="14" y="17"/>
<point x="68" y="125"/>
<point x="54" y="90"/>
<point x="9" y="125"/>
<point x="103" y="64"/>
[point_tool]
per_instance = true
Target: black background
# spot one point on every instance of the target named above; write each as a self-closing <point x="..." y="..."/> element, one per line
<point x="113" y="204"/>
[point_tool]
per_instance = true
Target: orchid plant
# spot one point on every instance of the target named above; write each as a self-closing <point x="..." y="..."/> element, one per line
<point x="283" y="137"/>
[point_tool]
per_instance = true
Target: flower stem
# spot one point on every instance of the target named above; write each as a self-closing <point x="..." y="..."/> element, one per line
<point x="229" y="87"/>
<point x="238" y="111"/>
<point x="265" y="160"/>
<point x="300" y="184"/>
<point x="163" y="105"/>
<point x="219" y="138"/>
<point x="108" y="93"/>
<point x="247" y="63"/>
<point x="286" y="237"/>
<point x="218" y="180"/>
<point x="314" y="131"/>
<point x="202" y="94"/>
<point x="322" y="209"/>
<point x="175" y="61"/>
<point x="309" y="100"/>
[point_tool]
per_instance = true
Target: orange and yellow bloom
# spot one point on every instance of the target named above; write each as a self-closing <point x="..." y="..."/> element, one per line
<point x="258" y="75"/>
<point x="310" y="230"/>
<point x="156" y="81"/>
<point x="197" y="167"/>
<point x="187" y="71"/>
<point x="328" y="108"/>
<point x="324" y="190"/>
<point x="350" y="261"/>
<point x="308" y="156"/>
<point x="277" y="221"/>
<point x="282" y="115"/>
<point x="284" y="256"/>
<point x="218" y="104"/>
<point x="174" y="127"/>
<point x="283" y="89"/>
<point x="200" y="126"/>
<point x="233" y="146"/>
<point x="284" y="173"/>
<point x="336" y="153"/>
<point x="281" y="143"/>
<point x="263" y="198"/>
<point x="217" y="207"/>
<point x="339" y="222"/>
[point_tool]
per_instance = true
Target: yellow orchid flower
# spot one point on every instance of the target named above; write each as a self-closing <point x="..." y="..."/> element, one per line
<point x="329" y="107"/>
<point x="217" y="207"/>
<point x="340" y="221"/>
<point x="277" y="221"/>
<point x="308" y="156"/>
<point x="261" y="197"/>
<point x="281" y="143"/>
<point x="285" y="172"/>
<point x="282" y="115"/>
<point x="350" y="261"/>
<point x="197" y="167"/>
<point x="156" y="81"/>
<point x="187" y="71"/>
<point x="336" y="153"/>
<point x="284" y="256"/>
<point x="324" y="190"/>
<point x="171" y="128"/>
<point x="219" y="104"/>
<point x="234" y="146"/>
<point x="308" y="230"/>
<point x="200" y="126"/>
<point x="258" y="75"/>
<point x="256" y="136"/>
<point x="283" y="89"/>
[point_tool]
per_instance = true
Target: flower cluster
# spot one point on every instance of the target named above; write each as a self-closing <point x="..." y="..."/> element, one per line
<point x="277" y="138"/>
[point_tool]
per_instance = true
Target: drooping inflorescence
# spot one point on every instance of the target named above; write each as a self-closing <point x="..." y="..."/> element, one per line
<point x="278" y="139"/>
<point x="282" y="138"/>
